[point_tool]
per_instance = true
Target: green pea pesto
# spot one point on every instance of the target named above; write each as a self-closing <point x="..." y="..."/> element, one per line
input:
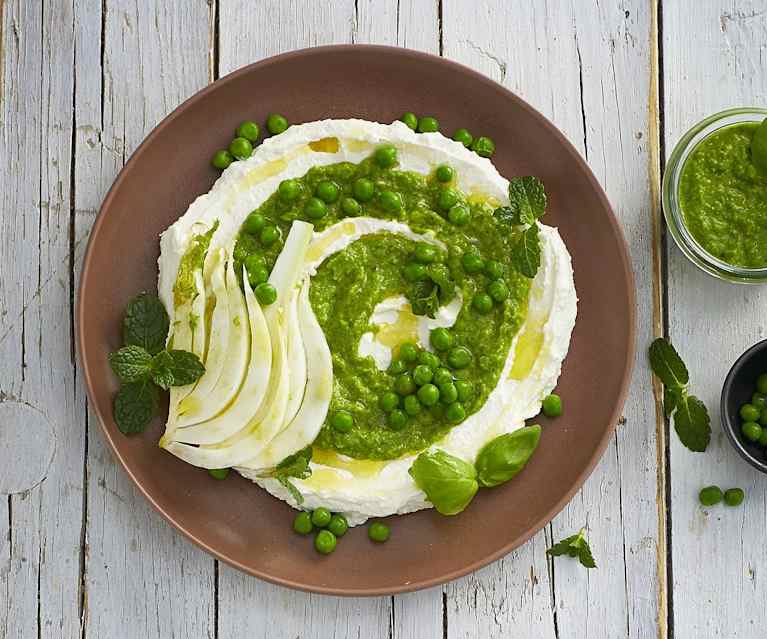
<point x="184" y="288"/>
<point x="723" y="198"/>
<point x="350" y="283"/>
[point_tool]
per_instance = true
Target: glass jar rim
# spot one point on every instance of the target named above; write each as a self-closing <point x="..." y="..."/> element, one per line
<point x="673" y="212"/>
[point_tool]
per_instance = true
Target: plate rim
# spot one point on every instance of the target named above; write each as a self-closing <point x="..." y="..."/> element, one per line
<point x="508" y="546"/>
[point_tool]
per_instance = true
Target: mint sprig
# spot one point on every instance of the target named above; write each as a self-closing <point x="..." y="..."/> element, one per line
<point x="144" y="364"/>
<point x="691" y="420"/>
<point x="293" y="466"/>
<point x="575" y="546"/>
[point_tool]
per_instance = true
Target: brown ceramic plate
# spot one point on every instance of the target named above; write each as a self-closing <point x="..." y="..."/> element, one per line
<point x="237" y="521"/>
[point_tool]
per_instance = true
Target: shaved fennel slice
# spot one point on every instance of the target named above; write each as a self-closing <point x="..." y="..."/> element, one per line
<point x="179" y="338"/>
<point x="304" y="428"/>
<point x="245" y="406"/>
<point x="197" y="318"/>
<point x="296" y="362"/>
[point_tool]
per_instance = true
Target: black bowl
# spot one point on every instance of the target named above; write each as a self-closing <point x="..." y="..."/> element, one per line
<point x="739" y="386"/>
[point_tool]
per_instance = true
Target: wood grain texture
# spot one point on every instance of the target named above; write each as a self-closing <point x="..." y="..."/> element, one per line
<point x="718" y="558"/>
<point x="595" y="60"/>
<point x="136" y="62"/>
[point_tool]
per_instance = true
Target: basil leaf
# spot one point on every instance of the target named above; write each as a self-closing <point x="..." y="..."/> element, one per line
<point x="130" y="363"/>
<point x="134" y="407"/>
<point x="502" y="458"/>
<point x="146" y="323"/>
<point x="449" y="482"/>
<point x="526" y="252"/>
<point x="759" y="148"/>
<point x="667" y="365"/>
<point x="176" y="368"/>
<point x="692" y="423"/>
<point x="574" y="546"/>
<point x="527" y="199"/>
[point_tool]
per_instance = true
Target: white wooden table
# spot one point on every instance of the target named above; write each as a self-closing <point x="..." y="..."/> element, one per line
<point x="81" y="553"/>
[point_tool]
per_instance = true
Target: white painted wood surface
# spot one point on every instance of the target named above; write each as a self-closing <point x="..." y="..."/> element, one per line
<point x="83" y="81"/>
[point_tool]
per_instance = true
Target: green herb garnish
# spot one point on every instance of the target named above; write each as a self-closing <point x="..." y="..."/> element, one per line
<point x="425" y="296"/>
<point x="294" y="466"/>
<point x="691" y="419"/>
<point x="144" y="364"/>
<point x="449" y="482"/>
<point x="527" y="203"/>
<point x="574" y="546"/>
<point x="759" y="148"/>
<point x="502" y="458"/>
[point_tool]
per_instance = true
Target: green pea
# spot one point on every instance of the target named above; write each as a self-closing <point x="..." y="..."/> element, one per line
<point x="265" y="294"/>
<point x="350" y="207"/>
<point x="269" y="235"/>
<point x="422" y="374"/>
<point x="321" y="517"/>
<point x="248" y="130"/>
<point x="276" y="124"/>
<point x="734" y="496"/>
<point x="428" y="124"/>
<point x="482" y="303"/>
<point x="415" y="272"/>
<point x="412" y="405"/>
<point x="327" y="191"/>
<point x="289" y="190"/>
<point x="218" y="473"/>
<point x="397" y="419"/>
<point x="428" y="394"/>
<point x="385" y="156"/>
<point x="428" y="359"/>
<point x="761" y="383"/>
<point x="441" y="339"/>
<point x="749" y="413"/>
<point x="408" y="352"/>
<point x="378" y="532"/>
<point x="759" y="400"/>
<point x="493" y="269"/>
<point x="710" y="495"/>
<point x="465" y="390"/>
<point x="342" y="421"/>
<point x="315" y="208"/>
<point x="751" y="431"/>
<point x="448" y="393"/>
<point x="390" y="201"/>
<point x="410" y="119"/>
<point x="338" y="525"/>
<point x="425" y="253"/>
<point x="483" y="146"/>
<point x="404" y="384"/>
<point x="464" y="137"/>
<point x="447" y="199"/>
<point x="302" y="524"/>
<point x="459" y="215"/>
<point x="363" y="189"/>
<point x="241" y="148"/>
<point x="763" y="417"/>
<point x="388" y="401"/>
<point x="442" y="376"/>
<point x="498" y="291"/>
<point x="254" y="223"/>
<point x="472" y="263"/>
<point x="455" y="413"/>
<point x="257" y="275"/>
<point x="325" y="542"/>
<point x="444" y="173"/>
<point x="222" y="159"/>
<point x="552" y="405"/>
<point x="397" y="366"/>
<point x="459" y="357"/>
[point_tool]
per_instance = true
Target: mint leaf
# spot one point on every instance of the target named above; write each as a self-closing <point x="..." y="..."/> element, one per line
<point x="176" y="368"/>
<point x="667" y="365"/>
<point x="134" y="407"/>
<point x="759" y="148"/>
<point x="130" y="363"/>
<point x="424" y="298"/>
<point x="449" y="482"/>
<point x="527" y="199"/>
<point x="574" y="546"/>
<point x="440" y="275"/>
<point x="295" y="465"/>
<point x="670" y="400"/>
<point x="692" y="423"/>
<point x="526" y="252"/>
<point x="146" y="323"/>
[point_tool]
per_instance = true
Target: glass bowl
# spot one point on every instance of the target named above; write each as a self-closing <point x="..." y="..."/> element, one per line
<point x="673" y="212"/>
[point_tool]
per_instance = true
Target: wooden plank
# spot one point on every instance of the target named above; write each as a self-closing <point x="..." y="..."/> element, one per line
<point x="41" y="568"/>
<point x="135" y="62"/>
<point x="717" y="553"/>
<point x="588" y="69"/>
